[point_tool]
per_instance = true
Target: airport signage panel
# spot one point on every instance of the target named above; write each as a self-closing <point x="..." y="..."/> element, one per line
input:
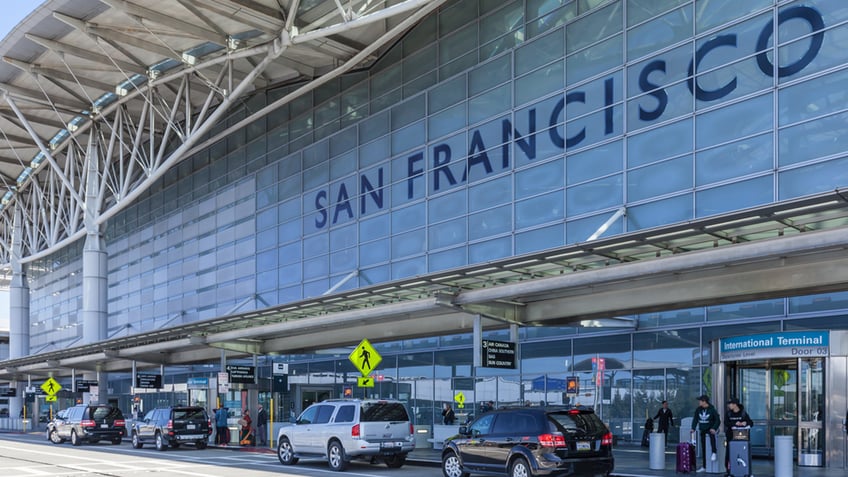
<point x="148" y="381"/>
<point x="786" y="344"/>
<point x="241" y="374"/>
<point x="498" y="354"/>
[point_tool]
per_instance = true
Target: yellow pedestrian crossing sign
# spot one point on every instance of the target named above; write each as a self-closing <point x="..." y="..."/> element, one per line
<point x="459" y="398"/>
<point x="365" y="382"/>
<point x="51" y="387"/>
<point x="50" y="398"/>
<point x="365" y="357"/>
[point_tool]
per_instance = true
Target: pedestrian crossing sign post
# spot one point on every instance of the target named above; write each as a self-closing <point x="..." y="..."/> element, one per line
<point x="365" y="358"/>
<point x="51" y="387"/>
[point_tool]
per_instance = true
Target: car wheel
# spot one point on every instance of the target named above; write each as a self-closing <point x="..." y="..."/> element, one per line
<point x="395" y="461"/>
<point x="116" y="440"/>
<point x="136" y="441"/>
<point x="285" y="452"/>
<point x="451" y="466"/>
<point x="75" y="440"/>
<point x="520" y="468"/>
<point x="53" y="436"/>
<point x="336" y="456"/>
<point x="160" y="442"/>
<point x="200" y="445"/>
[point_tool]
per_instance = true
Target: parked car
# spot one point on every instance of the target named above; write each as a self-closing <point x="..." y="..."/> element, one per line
<point x="173" y="426"/>
<point x="531" y="441"/>
<point x="87" y="423"/>
<point x="340" y="430"/>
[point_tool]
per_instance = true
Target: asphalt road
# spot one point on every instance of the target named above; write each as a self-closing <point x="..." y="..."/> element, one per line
<point x="28" y="455"/>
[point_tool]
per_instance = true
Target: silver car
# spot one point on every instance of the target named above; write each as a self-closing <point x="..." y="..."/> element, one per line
<point x="344" y="429"/>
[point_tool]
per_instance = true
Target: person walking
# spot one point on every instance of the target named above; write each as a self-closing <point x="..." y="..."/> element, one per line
<point x="706" y="421"/>
<point x="261" y="426"/>
<point x="221" y="429"/>
<point x="664" y="419"/>
<point x="448" y="416"/>
<point x="736" y="416"/>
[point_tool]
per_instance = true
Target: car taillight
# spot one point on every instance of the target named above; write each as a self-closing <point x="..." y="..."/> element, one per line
<point x="354" y="431"/>
<point x="607" y="439"/>
<point x="87" y="423"/>
<point x="209" y="426"/>
<point x="169" y="427"/>
<point x="411" y="429"/>
<point x="552" y="440"/>
<point x="120" y="423"/>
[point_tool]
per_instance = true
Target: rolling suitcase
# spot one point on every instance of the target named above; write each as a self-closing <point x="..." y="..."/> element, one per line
<point x="739" y="453"/>
<point x="685" y="457"/>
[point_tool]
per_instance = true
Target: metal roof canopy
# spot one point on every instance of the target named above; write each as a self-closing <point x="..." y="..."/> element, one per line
<point x="792" y="248"/>
<point x="100" y="98"/>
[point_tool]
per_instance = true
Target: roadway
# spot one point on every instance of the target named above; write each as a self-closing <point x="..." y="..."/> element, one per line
<point x="28" y="455"/>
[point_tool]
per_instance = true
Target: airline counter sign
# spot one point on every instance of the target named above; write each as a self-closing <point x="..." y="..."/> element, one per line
<point x="787" y="344"/>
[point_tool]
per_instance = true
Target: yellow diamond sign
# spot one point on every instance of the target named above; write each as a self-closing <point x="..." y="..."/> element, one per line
<point x="365" y="357"/>
<point x="51" y="386"/>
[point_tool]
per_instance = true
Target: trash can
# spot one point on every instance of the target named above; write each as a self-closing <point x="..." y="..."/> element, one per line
<point x="783" y="456"/>
<point x="657" y="451"/>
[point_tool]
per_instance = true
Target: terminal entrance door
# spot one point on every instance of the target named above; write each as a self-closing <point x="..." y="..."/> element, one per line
<point x="784" y="398"/>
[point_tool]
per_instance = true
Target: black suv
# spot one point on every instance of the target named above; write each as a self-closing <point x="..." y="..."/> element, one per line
<point x="89" y="423"/>
<point x="172" y="426"/>
<point x="529" y="441"/>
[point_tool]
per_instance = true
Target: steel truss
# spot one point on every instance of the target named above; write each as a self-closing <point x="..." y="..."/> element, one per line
<point x="158" y="119"/>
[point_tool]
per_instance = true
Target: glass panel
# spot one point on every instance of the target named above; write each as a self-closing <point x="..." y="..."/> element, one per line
<point x="721" y="163"/>
<point x="813" y="98"/>
<point x="669" y="348"/>
<point x="825" y="176"/>
<point x="659" y="33"/>
<point x="736" y="196"/>
<point x="660" y="179"/>
<point x="818" y="138"/>
<point x="601" y="57"/>
<point x="538" y="52"/>
<point x="738" y="120"/>
<point x="712" y="13"/>
<point x="656" y="144"/>
<point x="490" y="222"/>
<point x="595" y="195"/>
<point x="593" y="27"/>
<point x="539" y="210"/>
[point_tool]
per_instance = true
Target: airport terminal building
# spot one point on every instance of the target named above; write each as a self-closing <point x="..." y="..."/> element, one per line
<point x="629" y="201"/>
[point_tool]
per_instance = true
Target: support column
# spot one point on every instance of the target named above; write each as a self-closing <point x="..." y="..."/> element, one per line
<point x="18" y="308"/>
<point x="94" y="262"/>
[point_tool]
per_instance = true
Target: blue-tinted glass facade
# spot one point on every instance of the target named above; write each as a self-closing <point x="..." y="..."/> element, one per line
<point x="493" y="129"/>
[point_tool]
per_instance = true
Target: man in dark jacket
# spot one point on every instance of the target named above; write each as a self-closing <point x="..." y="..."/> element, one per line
<point x="706" y="421"/>
<point x="736" y="417"/>
<point x="664" y="419"/>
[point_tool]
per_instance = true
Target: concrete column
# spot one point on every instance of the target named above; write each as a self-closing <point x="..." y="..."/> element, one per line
<point x="19" y="324"/>
<point x="94" y="313"/>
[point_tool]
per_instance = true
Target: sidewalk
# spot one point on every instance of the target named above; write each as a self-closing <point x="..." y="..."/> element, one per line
<point x="633" y="461"/>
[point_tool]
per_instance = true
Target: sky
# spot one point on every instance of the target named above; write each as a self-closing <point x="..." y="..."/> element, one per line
<point x="13" y="12"/>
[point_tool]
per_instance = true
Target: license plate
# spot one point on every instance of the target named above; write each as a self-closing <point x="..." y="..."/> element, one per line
<point x="104" y="426"/>
<point x="391" y="445"/>
<point x="191" y="427"/>
<point x="583" y="446"/>
<point x="190" y="436"/>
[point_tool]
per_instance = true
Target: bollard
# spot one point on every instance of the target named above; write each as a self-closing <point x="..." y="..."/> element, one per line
<point x="657" y="451"/>
<point x="783" y="456"/>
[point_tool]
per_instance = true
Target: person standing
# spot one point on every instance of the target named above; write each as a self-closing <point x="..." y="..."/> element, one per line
<point x="664" y="419"/>
<point x="706" y="421"/>
<point x="448" y="416"/>
<point x="246" y="422"/>
<point x="221" y="429"/>
<point x="736" y="416"/>
<point x="261" y="426"/>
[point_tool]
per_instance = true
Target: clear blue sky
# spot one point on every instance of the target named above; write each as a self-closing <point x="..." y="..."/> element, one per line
<point x="13" y="12"/>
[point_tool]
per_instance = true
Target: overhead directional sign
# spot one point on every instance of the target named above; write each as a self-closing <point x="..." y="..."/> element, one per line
<point x="365" y="357"/>
<point x="365" y="382"/>
<point x="148" y="381"/>
<point x="498" y="354"/>
<point x="51" y="387"/>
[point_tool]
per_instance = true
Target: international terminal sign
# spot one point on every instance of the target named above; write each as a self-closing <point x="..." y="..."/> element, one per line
<point x="786" y="344"/>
